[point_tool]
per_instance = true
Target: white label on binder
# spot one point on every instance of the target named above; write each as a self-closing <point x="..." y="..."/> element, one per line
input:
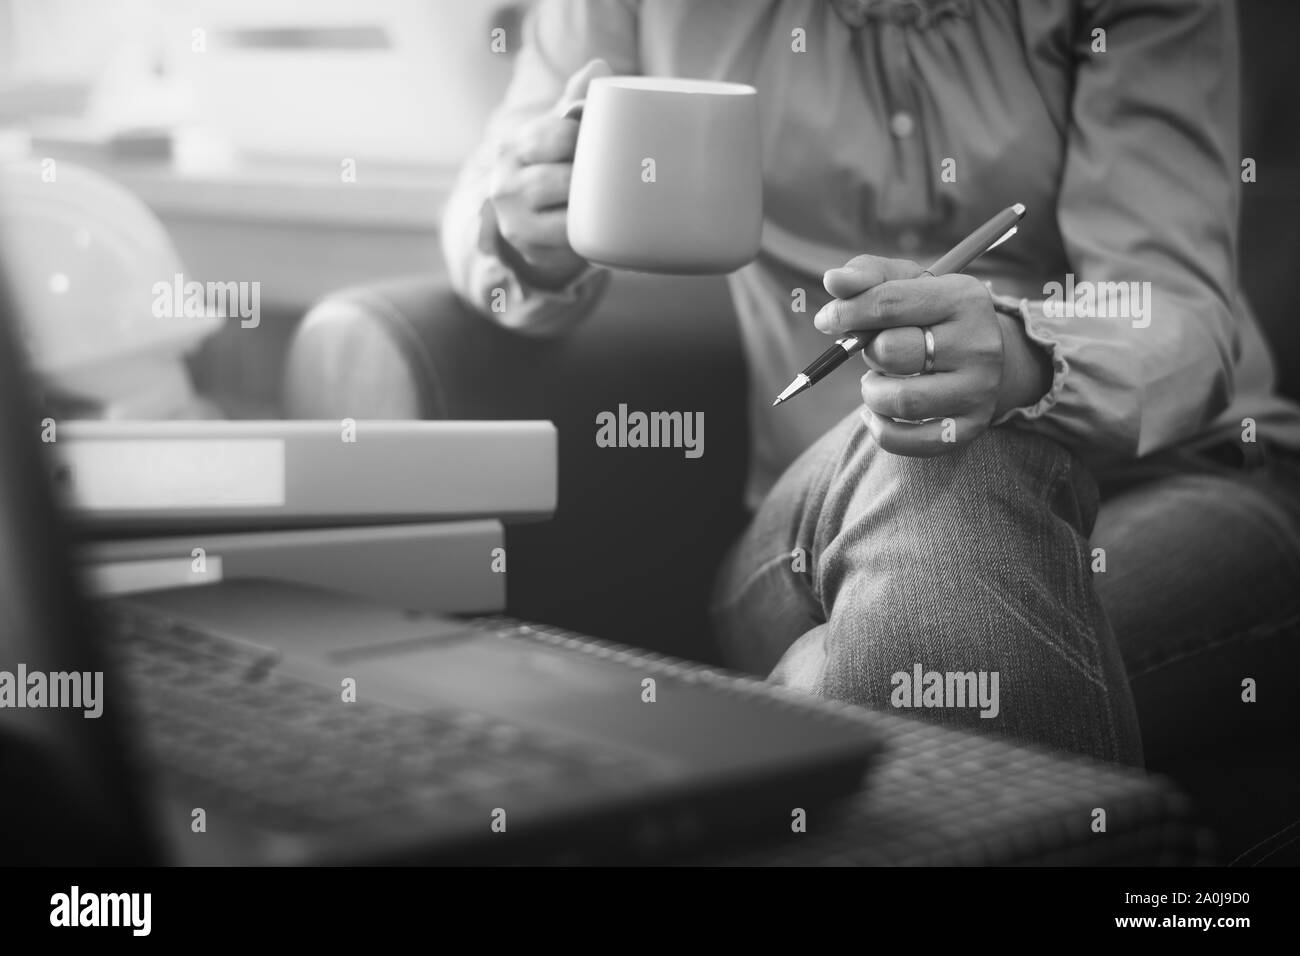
<point x="153" y="474"/>
<point x="113" y="578"/>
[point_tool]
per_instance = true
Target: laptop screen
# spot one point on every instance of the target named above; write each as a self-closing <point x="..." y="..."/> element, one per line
<point x="69" y="796"/>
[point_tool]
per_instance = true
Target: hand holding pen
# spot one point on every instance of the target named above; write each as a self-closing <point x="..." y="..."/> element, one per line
<point x="943" y="364"/>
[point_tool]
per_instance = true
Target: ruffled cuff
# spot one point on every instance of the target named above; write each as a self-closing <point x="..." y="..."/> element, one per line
<point x="1041" y="335"/>
<point x="517" y="304"/>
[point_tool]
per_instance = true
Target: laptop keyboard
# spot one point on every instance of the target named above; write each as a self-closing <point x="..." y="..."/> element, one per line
<point x="292" y="755"/>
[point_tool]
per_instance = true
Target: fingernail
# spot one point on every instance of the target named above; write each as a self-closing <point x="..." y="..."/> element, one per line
<point x="820" y="321"/>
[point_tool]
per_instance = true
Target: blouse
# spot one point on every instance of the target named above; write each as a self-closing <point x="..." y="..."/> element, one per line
<point x="1115" y="122"/>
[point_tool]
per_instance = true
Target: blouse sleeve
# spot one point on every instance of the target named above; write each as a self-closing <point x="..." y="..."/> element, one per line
<point x="1148" y="211"/>
<point x="559" y="37"/>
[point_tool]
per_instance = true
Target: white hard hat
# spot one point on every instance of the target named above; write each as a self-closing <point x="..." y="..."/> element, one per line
<point x="85" y="258"/>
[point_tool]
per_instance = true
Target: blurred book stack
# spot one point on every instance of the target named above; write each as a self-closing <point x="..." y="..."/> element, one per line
<point x="411" y="514"/>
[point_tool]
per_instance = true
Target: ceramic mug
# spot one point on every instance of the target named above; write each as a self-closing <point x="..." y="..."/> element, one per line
<point x="667" y="175"/>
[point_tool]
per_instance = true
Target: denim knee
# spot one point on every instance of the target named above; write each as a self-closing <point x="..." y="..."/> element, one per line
<point x="983" y="505"/>
<point x="971" y="562"/>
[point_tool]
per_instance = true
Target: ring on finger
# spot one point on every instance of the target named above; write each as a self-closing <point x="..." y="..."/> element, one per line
<point x="928" y="366"/>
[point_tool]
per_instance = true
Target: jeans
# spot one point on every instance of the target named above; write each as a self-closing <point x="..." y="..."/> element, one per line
<point x="993" y="589"/>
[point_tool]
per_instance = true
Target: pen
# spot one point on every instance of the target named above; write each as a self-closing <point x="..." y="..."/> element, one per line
<point x="993" y="233"/>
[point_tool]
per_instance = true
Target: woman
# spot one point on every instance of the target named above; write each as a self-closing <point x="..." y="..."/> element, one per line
<point x="1098" y="479"/>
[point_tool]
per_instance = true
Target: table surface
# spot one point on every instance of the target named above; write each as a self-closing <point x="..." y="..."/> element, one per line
<point x="940" y="796"/>
<point x="937" y="796"/>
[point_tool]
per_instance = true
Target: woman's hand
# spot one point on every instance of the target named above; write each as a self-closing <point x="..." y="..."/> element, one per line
<point x="984" y="365"/>
<point x="529" y="190"/>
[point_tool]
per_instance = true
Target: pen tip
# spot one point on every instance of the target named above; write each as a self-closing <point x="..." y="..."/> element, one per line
<point x="800" y="383"/>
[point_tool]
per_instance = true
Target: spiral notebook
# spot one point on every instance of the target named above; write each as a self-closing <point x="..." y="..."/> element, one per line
<point x="311" y="727"/>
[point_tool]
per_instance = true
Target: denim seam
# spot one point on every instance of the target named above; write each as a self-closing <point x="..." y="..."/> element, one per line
<point x="1079" y="662"/>
<point x="832" y="464"/>
<point x="1257" y="632"/>
<point x="1272" y="836"/>
<point x="739" y="593"/>
<point x="1060" y="463"/>
<point x="1278" y="849"/>
<point x="1063" y="466"/>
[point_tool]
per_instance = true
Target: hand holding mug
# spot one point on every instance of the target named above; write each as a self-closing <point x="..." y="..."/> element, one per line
<point x="529" y="188"/>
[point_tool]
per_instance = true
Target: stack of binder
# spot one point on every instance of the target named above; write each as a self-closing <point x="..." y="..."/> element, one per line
<point x="412" y="514"/>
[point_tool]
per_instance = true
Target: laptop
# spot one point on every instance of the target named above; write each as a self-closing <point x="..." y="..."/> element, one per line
<point x="261" y="722"/>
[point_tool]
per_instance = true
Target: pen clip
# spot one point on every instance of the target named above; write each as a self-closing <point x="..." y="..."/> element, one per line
<point x="1005" y="236"/>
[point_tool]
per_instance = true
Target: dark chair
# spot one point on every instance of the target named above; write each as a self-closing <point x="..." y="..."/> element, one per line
<point x="637" y="535"/>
